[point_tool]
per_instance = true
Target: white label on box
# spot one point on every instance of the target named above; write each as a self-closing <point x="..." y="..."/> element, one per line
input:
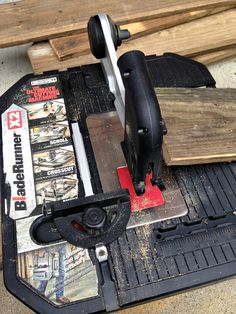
<point x="44" y="81"/>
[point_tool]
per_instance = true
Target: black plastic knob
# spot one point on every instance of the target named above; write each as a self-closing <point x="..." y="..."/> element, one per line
<point x="97" y="39"/>
<point x="94" y="217"/>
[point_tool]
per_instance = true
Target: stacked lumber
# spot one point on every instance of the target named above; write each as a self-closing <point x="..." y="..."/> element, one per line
<point x="204" y="29"/>
<point x="206" y="35"/>
<point x="207" y="39"/>
<point x="77" y="45"/>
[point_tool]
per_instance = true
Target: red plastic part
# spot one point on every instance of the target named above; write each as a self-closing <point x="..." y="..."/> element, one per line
<point x="151" y="198"/>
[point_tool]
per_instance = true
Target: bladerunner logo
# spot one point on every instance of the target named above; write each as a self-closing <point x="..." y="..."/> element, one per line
<point x="18" y="170"/>
<point x="17" y="162"/>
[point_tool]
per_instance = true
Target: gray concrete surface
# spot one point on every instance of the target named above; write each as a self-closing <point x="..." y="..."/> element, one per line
<point x="8" y="303"/>
<point x="224" y="73"/>
<point x="218" y="298"/>
<point x="14" y="64"/>
<point x="8" y="1"/>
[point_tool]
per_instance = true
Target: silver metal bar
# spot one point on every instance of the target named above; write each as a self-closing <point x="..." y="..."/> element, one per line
<point x="111" y="69"/>
<point x="82" y="159"/>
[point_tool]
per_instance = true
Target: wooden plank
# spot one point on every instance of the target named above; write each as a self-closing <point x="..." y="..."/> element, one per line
<point x="189" y="39"/>
<point x="215" y="56"/>
<point x="33" y="20"/>
<point x="201" y="125"/>
<point x="70" y="46"/>
<point x="143" y="28"/>
<point x="77" y="45"/>
<point x="43" y="58"/>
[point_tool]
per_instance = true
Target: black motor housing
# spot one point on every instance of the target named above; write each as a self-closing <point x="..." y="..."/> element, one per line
<point x="144" y="126"/>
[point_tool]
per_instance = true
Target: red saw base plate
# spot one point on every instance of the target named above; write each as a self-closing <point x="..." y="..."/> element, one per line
<point x="151" y="198"/>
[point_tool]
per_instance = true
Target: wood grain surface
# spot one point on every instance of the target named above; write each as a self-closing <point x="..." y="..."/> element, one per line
<point x="70" y="46"/>
<point x="201" y="125"/>
<point x="194" y="38"/>
<point x="77" y="45"/>
<point x="215" y="56"/>
<point x="189" y="39"/>
<point x="43" y="58"/>
<point x="33" y="20"/>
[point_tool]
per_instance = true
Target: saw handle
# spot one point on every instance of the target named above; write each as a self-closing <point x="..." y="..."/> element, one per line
<point x="144" y="127"/>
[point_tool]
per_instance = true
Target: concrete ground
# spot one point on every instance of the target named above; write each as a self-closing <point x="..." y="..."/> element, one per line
<point x="218" y="298"/>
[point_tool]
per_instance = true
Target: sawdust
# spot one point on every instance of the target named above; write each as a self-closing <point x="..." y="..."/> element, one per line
<point x="144" y="234"/>
<point x="117" y="267"/>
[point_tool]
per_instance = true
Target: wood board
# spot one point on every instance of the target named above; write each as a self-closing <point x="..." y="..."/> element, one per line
<point x="70" y="46"/>
<point x="43" y="58"/>
<point x="215" y="56"/>
<point x="201" y="125"/>
<point x="32" y="20"/>
<point x="78" y="44"/>
<point x="190" y="39"/>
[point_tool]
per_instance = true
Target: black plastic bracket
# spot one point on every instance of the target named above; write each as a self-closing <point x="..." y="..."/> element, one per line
<point x="85" y="222"/>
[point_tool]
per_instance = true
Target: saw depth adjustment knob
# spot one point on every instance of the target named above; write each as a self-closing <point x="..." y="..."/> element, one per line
<point x="94" y="218"/>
